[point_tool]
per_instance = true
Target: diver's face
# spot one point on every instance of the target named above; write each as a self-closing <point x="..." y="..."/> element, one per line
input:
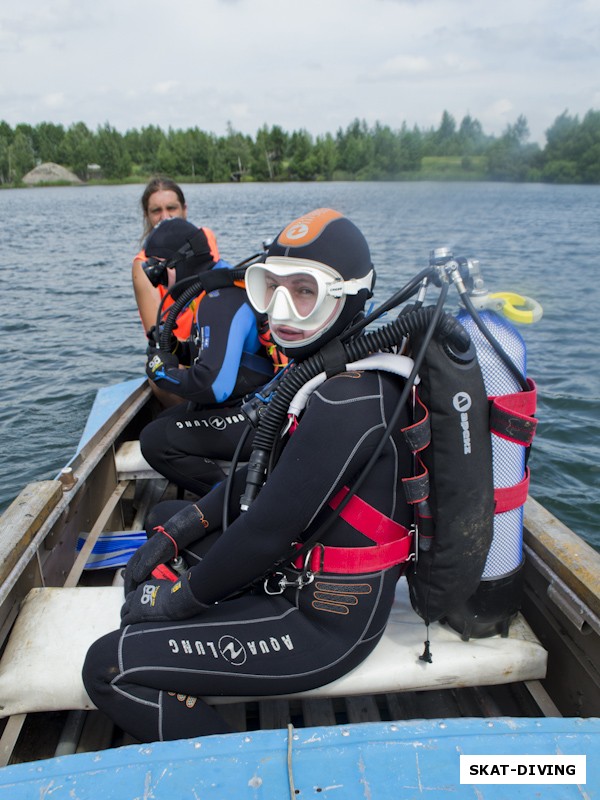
<point x="164" y="204"/>
<point x="295" y="297"/>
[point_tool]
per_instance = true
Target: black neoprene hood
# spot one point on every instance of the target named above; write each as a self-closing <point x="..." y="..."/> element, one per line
<point x="327" y="237"/>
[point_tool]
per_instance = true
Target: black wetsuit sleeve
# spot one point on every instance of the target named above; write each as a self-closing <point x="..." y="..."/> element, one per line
<point x="226" y="328"/>
<point x="336" y="436"/>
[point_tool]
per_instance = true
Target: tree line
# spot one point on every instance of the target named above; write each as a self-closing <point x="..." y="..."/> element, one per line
<point x="358" y="152"/>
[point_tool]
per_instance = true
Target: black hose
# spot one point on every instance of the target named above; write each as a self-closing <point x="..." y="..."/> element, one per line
<point x="398" y="297"/>
<point x="229" y="479"/>
<point x="510" y="364"/>
<point x="164" y="340"/>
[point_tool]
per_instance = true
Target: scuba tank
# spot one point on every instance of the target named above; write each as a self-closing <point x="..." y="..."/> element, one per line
<point x="498" y="597"/>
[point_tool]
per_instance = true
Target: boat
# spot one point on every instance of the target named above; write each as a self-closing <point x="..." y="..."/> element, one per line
<point x="395" y="727"/>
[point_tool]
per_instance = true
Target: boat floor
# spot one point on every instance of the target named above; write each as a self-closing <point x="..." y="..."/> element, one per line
<point x="47" y="734"/>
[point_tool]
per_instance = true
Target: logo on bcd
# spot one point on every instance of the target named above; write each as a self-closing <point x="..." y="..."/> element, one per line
<point x="232" y="650"/>
<point x="462" y="403"/>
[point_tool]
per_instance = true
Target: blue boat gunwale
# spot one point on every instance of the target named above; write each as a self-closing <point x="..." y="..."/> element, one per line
<point x="351" y="761"/>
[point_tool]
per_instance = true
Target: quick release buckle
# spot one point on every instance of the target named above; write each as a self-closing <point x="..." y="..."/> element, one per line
<point x="278" y="582"/>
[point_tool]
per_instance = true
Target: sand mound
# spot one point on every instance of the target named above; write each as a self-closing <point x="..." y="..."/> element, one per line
<point x="50" y="173"/>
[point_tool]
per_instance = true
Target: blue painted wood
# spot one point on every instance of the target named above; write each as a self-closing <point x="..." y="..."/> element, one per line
<point x="106" y="402"/>
<point x="381" y="761"/>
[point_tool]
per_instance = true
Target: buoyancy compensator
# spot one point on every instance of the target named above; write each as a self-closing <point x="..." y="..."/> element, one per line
<point x="501" y="354"/>
<point x="452" y="491"/>
<point x="475" y="503"/>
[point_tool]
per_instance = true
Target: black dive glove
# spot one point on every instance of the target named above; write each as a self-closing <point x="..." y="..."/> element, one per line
<point x="160" y="601"/>
<point x="158" y="362"/>
<point x="153" y="340"/>
<point x="185" y="527"/>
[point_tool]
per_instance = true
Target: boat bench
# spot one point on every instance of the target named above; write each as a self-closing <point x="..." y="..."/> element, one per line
<point x="131" y="464"/>
<point x="40" y="669"/>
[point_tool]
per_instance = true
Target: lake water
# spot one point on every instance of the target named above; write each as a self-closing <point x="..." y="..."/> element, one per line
<point x="70" y="324"/>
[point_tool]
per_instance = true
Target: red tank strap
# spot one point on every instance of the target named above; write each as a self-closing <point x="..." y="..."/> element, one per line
<point x="511" y="497"/>
<point x="511" y="415"/>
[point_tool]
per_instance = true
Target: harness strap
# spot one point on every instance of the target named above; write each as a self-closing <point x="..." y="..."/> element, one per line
<point x="416" y="488"/>
<point x="368" y="520"/>
<point x="358" y="560"/>
<point x="511" y="415"/>
<point x="510" y="497"/>
<point x="392" y="541"/>
<point x="418" y="435"/>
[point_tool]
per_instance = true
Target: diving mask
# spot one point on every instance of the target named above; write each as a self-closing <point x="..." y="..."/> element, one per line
<point x="301" y="293"/>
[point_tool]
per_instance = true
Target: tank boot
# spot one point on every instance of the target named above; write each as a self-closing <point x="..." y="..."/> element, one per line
<point x="491" y="609"/>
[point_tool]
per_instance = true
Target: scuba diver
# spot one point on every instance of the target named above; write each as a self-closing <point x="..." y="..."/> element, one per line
<point x="287" y="585"/>
<point x="213" y="370"/>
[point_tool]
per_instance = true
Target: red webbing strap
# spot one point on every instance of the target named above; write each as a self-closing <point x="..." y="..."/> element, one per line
<point x="393" y="541"/>
<point x="511" y="496"/>
<point x="358" y="560"/>
<point x="368" y="520"/>
<point x="511" y="415"/>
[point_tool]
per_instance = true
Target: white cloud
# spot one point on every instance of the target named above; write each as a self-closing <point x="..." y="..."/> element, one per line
<point x="54" y="100"/>
<point x="165" y="87"/>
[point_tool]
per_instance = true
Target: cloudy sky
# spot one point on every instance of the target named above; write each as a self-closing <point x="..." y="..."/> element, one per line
<point x="311" y="64"/>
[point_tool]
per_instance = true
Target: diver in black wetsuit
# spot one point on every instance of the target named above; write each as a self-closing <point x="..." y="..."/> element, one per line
<point x="309" y="623"/>
<point x="226" y="361"/>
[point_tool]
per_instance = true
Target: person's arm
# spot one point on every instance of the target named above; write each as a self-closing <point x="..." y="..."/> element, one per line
<point x="225" y="323"/>
<point x="147" y="296"/>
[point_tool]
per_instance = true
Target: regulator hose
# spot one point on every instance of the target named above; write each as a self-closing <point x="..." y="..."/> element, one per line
<point x="446" y="328"/>
<point x="495" y="344"/>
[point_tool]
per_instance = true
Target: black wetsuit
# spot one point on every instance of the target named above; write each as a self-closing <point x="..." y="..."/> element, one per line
<point x="148" y="677"/>
<point x="228" y="363"/>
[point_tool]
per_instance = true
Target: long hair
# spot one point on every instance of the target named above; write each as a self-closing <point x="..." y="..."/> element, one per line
<point x="158" y="184"/>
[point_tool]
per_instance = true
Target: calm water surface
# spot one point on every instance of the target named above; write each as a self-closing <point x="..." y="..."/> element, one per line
<point x="69" y="322"/>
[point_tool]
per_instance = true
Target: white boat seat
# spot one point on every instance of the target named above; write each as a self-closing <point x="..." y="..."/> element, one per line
<point x="40" y="669"/>
<point x="131" y="464"/>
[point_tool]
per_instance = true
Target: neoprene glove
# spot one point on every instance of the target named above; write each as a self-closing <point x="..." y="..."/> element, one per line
<point x="185" y="527"/>
<point x="160" y="601"/>
<point x="158" y="362"/>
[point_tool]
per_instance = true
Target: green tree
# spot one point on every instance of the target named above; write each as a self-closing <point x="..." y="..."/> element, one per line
<point x="510" y="158"/>
<point x="445" y="140"/>
<point x="112" y="153"/>
<point x="20" y="154"/>
<point x="78" y="149"/>
<point x="326" y="156"/>
<point x="302" y="163"/>
<point x="269" y="153"/>
<point x="470" y="137"/>
<point x="236" y="150"/>
<point x="47" y="140"/>
<point x="355" y="148"/>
